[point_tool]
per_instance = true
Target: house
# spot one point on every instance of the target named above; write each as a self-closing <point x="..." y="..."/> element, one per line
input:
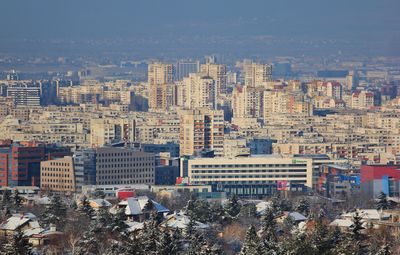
<point x="18" y="222"/>
<point x="368" y="215"/>
<point x="140" y="208"/>
<point x="180" y="221"/>
<point x="262" y="207"/>
<point x="342" y="224"/>
<point x="97" y="203"/>
<point x="134" y="227"/>
<point x="296" y="217"/>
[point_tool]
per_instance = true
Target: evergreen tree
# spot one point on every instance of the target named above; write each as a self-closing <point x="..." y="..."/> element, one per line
<point x="119" y="225"/>
<point x="320" y="237"/>
<point x="298" y="244"/>
<point x="85" y="207"/>
<point x="249" y="211"/>
<point x="303" y="207"/>
<point x="197" y="244"/>
<point x="54" y="213"/>
<point x="280" y="205"/>
<point x="382" y="203"/>
<point x="288" y="224"/>
<point x="7" y="212"/>
<point x="115" y="249"/>
<point x="104" y="218"/>
<point x="17" y="199"/>
<point x="232" y="208"/>
<point x="150" y="236"/>
<point x="6" y="200"/>
<point x="132" y="246"/>
<point x="91" y="240"/>
<point x="190" y="228"/>
<point x="336" y="236"/>
<point x="217" y="213"/>
<point x="199" y="209"/>
<point x="166" y="246"/>
<point x="17" y="245"/>
<point x="356" y="227"/>
<point x="268" y="228"/>
<point x="347" y="246"/>
<point x="98" y="194"/>
<point x="252" y="244"/>
<point x="73" y="205"/>
<point x="350" y="244"/>
<point x="384" y="250"/>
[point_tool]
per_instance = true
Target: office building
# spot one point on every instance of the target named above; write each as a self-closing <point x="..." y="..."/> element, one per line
<point x="116" y="166"/>
<point x="58" y="175"/>
<point x="250" y="176"/>
<point x="20" y="162"/>
<point x="380" y="178"/>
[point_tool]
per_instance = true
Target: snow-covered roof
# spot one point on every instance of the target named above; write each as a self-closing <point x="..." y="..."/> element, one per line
<point x="33" y="231"/>
<point x="365" y="214"/>
<point x="341" y="223"/>
<point x="135" y="205"/>
<point x="133" y="226"/>
<point x="181" y="221"/>
<point x="262" y="207"/>
<point x="297" y="216"/>
<point x="42" y="200"/>
<point x="14" y="222"/>
<point x="100" y="202"/>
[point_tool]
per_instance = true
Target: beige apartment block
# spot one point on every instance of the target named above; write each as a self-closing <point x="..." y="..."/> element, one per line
<point x="111" y="130"/>
<point x="160" y="77"/>
<point x="201" y="129"/>
<point x="58" y="175"/>
<point x="256" y="74"/>
<point x="218" y="73"/>
<point x="200" y="91"/>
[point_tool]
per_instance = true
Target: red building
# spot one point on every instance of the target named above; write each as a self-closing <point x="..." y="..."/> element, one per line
<point x="20" y="164"/>
<point x="380" y="178"/>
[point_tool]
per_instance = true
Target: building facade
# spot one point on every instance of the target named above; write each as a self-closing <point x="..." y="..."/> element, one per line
<point x="58" y="175"/>
<point x="250" y="176"/>
<point x="201" y="130"/>
<point x="116" y="166"/>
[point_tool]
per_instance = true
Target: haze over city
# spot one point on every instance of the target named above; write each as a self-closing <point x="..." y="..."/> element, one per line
<point x="200" y="127"/>
<point x="186" y="28"/>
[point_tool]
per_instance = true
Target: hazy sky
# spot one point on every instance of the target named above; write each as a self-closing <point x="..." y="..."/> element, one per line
<point x="132" y="18"/>
<point x="160" y="28"/>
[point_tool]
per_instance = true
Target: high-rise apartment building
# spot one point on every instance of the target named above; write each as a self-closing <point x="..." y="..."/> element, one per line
<point x="160" y="75"/>
<point x="256" y="75"/>
<point x="218" y="73"/>
<point x="362" y="99"/>
<point x="201" y="130"/>
<point x="24" y="95"/>
<point x="111" y="130"/>
<point x="200" y="91"/>
<point x="247" y="102"/>
<point x="184" y="68"/>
